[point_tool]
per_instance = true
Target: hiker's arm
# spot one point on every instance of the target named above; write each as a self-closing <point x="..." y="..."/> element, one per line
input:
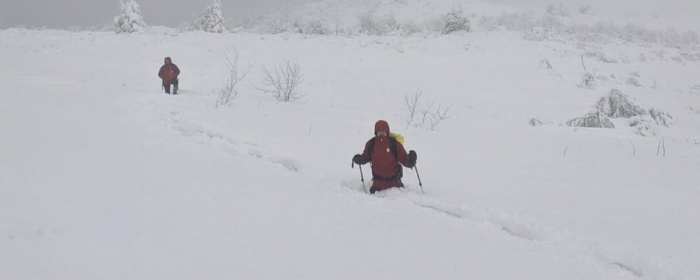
<point x="403" y="156"/>
<point x="366" y="154"/>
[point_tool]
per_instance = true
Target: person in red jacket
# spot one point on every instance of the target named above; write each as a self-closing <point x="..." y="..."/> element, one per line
<point x="168" y="73"/>
<point x="385" y="153"/>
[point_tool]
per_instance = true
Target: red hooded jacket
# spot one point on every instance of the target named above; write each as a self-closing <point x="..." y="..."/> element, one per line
<point x="385" y="166"/>
<point x="168" y="72"/>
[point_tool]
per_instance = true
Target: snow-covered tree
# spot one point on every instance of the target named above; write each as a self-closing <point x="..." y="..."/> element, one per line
<point x="213" y="19"/>
<point x="130" y="20"/>
<point x="456" y="21"/>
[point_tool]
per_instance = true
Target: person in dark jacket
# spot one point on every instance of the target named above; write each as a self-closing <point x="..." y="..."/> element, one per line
<point x="385" y="153"/>
<point x="168" y="73"/>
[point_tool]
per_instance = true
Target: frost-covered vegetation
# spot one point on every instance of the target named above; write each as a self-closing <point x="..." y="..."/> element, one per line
<point x="617" y="105"/>
<point x="213" y="19"/>
<point x="130" y="19"/>
<point x="378" y="18"/>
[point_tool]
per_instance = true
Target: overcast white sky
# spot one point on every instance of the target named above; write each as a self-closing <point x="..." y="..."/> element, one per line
<point x="684" y="9"/>
<point x="85" y="13"/>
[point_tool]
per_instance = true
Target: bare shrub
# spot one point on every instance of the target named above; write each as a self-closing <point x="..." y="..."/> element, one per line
<point x="430" y="118"/>
<point x="412" y="105"/>
<point x="588" y="81"/>
<point x="439" y="115"/>
<point x="283" y="81"/>
<point x="230" y="89"/>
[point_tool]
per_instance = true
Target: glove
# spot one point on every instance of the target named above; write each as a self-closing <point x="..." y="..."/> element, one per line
<point x="357" y="159"/>
<point x="412" y="157"/>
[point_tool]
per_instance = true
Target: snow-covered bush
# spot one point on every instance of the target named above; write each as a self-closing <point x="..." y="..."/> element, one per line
<point x="456" y="21"/>
<point x="284" y="22"/>
<point x="526" y="23"/>
<point x="130" y="19"/>
<point x="392" y="25"/>
<point x="287" y="23"/>
<point x="616" y="105"/>
<point x="251" y="22"/>
<point x="316" y="26"/>
<point x="588" y="81"/>
<point x="593" y="119"/>
<point x="213" y="19"/>
<point x="600" y="32"/>
<point x="538" y="33"/>
<point x="369" y="24"/>
<point x="409" y="28"/>
<point x="661" y="117"/>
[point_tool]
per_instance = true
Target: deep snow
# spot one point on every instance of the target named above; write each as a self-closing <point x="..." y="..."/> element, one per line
<point x="104" y="176"/>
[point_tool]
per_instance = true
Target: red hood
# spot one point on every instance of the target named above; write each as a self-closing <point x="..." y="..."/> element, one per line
<point x="381" y="124"/>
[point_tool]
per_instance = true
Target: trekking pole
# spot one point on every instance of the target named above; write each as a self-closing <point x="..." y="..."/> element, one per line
<point x="362" y="177"/>
<point x="419" y="182"/>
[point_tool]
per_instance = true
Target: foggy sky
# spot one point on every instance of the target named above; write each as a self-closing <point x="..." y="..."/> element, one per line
<point x="86" y="13"/>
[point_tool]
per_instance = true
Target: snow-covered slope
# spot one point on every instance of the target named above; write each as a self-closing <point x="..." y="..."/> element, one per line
<point x="104" y="176"/>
